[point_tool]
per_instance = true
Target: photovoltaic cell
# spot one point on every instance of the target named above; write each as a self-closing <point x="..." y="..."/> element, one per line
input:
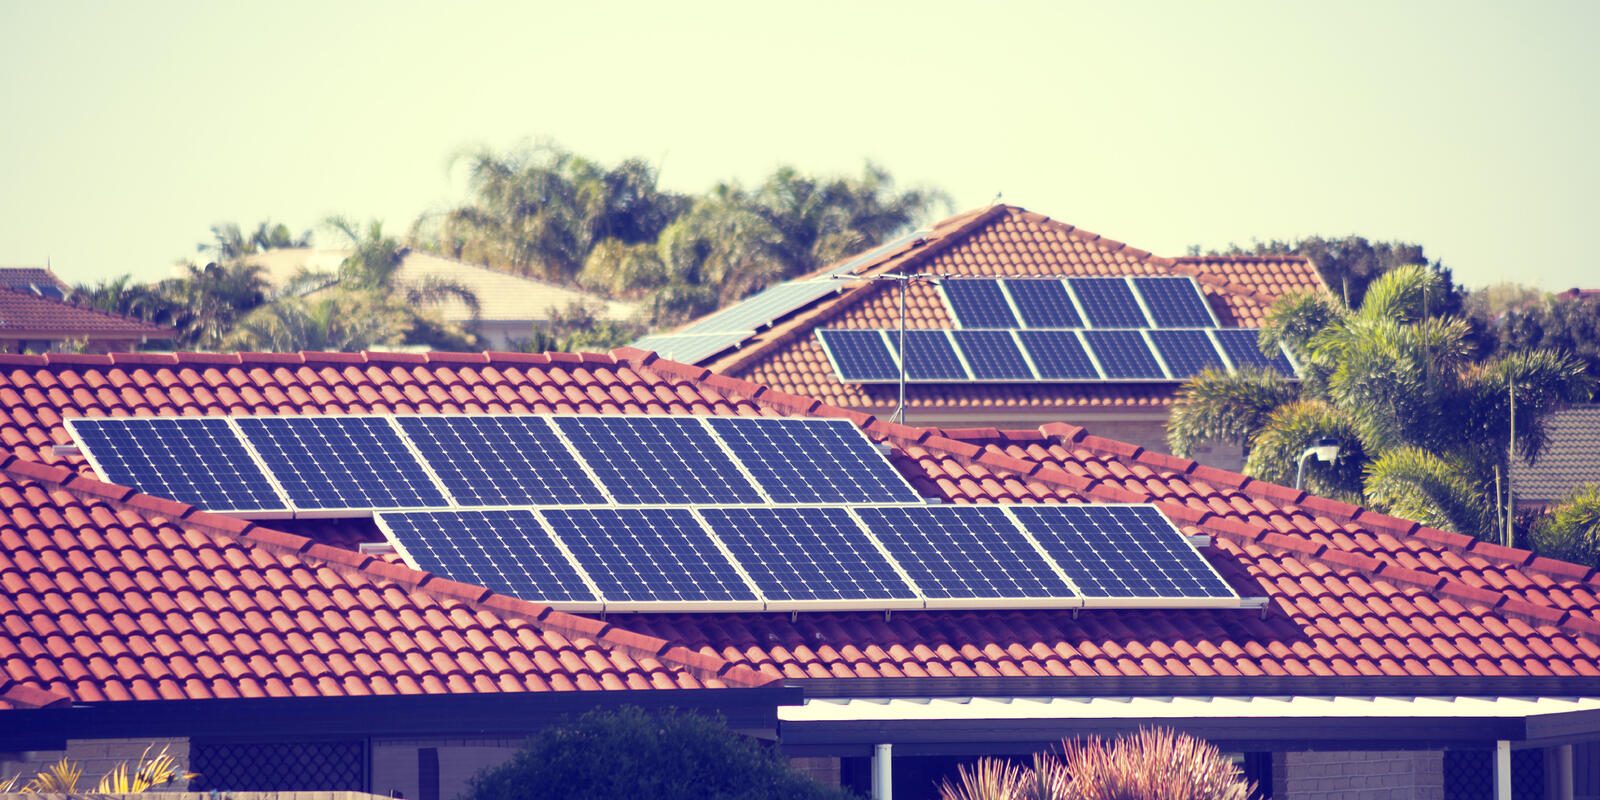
<point x="813" y="461"/>
<point x="504" y="550"/>
<point x="642" y="460"/>
<point x="806" y="554"/>
<point x="993" y="355"/>
<point x="501" y="460"/>
<point x="978" y="304"/>
<point x="1121" y="552"/>
<point x="1243" y="348"/>
<point x="194" y="460"/>
<point x="1058" y="355"/>
<point x="859" y="356"/>
<point x="1108" y="302"/>
<point x="1187" y="352"/>
<point x="963" y="552"/>
<point x="1174" y="302"/>
<point x="1124" y="354"/>
<point x="648" y="555"/>
<point x="929" y="356"/>
<point x="1044" y="303"/>
<point x="344" y="463"/>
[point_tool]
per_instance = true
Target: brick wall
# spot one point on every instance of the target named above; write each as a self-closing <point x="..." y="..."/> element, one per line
<point x="97" y="757"/>
<point x="822" y="770"/>
<point x="1358" y="775"/>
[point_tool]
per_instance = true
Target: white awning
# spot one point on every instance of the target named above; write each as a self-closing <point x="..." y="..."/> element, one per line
<point x="1297" y="706"/>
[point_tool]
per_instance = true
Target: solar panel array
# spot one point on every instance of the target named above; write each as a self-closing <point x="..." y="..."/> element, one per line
<point x="331" y="466"/>
<point x="1090" y="329"/>
<point x="794" y="558"/>
<point x="740" y="321"/>
<point x="1104" y="302"/>
<point x="974" y="355"/>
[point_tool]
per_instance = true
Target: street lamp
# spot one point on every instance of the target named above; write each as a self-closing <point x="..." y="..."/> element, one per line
<point x="1326" y="449"/>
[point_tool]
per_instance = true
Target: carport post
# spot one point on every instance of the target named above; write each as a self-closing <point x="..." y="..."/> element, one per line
<point x="882" y="773"/>
<point x="1564" y="772"/>
<point x="1502" y="770"/>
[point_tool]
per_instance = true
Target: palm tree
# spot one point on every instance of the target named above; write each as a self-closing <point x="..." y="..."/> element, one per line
<point x="1423" y="423"/>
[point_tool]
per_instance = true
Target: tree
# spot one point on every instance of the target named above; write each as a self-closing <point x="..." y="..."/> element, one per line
<point x="1571" y="530"/>
<point x="209" y="300"/>
<point x="541" y="211"/>
<point x="734" y="242"/>
<point x="229" y="242"/>
<point x="1349" y="264"/>
<point x="671" y="755"/>
<point x="1567" y="323"/>
<point x="1423" y="420"/>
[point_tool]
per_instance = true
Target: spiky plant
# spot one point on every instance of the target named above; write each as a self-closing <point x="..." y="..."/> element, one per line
<point x="58" y="778"/>
<point x="1153" y="764"/>
<point x="989" y="779"/>
<point x="145" y="774"/>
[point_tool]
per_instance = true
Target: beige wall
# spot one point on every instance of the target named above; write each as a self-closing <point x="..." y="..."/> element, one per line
<point x="1353" y="775"/>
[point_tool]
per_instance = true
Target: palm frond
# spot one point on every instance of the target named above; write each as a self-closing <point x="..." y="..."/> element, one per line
<point x="1221" y="407"/>
<point x="1412" y="483"/>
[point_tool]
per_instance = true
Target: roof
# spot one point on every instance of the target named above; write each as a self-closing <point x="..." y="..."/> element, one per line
<point x="1351" y="592"/>
<point x="501" y="295"/>
<point x="27" y="315"/>
<point x="38" y="280"/>
<point x="114" y="595"/>
<point x="997" y="241"/>
<point x="1571" y="457"/>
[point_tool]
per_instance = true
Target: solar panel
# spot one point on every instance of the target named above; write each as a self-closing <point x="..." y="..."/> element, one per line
<point x="194" y="460"/>
<point x="1243" y="348"/>
<point x="964" y="553"/>
<point x="807" y="554"/>
<point x="813" y="460"/>
<point x="1108" y="302"/>
<point x="1043" y="303"/>
<point x="341" y="463"/>
<point x="993" y="355"/>
<point x="1175" y="302"/>
<point x="1187" y="352"/>
<point x="978" y="304"/>
<point x="929" y="356"/>
<point x="1059" y="355"/>
<point x="504" y="550"/>
<point x="643" y="460"/>
<point x="1122" y="552"/>
<point x="859" y="356"/>
<point x="501" y="460"/>
<point x="1124" y="354"/>
<point x="648" y="556"/>
<point x="690" y="347"/>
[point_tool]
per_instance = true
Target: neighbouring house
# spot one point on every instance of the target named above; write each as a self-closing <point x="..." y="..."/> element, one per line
<point x="1570" y="458"/>
<point x="1362" y="656"/>
<point x="35" y="316"/>
<point x="510" y="307"/>
<point x="779" y="337"/>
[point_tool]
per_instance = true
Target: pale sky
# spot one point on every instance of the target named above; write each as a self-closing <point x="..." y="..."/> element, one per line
<point x="1470" y="128"/>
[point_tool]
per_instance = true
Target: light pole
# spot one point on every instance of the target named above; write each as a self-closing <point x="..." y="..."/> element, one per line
<point x="1326" y="449"/>
<point x="905" y="280"/>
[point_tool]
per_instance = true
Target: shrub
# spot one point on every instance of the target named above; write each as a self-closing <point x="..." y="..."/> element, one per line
<point x="628" y="753"/>
<point x="1153" y="764"/>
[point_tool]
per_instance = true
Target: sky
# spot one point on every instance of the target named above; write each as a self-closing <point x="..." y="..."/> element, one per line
<point x="1470" y="128"/>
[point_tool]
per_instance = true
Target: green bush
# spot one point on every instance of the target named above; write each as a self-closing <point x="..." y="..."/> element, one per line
<point x="670" y="755"/>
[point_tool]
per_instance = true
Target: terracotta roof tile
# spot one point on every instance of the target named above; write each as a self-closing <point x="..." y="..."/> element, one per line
<point x="1352" y="593"/>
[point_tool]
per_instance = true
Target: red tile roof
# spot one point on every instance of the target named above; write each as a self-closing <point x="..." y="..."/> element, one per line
<point x="113" y="595"/>
<point x="1351" y="592"/>
<point x="25" y="315"/>
<point x="998" y="241"/>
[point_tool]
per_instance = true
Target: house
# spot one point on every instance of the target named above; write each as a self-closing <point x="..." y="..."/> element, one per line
<point x="510" y="307"/>
<point x="772" y="337"/>
<point x="1382" y="656"/>
<point x="35" y="316"/>
<point x="1570" y="459"/>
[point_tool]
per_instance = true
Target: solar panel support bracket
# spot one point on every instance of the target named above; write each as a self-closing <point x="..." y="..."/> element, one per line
<point x="1262" y="604"/>
<point x="65" y="450"/>
<point x="1199" y="539"/>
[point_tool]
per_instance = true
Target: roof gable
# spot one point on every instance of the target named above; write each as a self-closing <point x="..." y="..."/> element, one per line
<point x="26" y="315"/>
